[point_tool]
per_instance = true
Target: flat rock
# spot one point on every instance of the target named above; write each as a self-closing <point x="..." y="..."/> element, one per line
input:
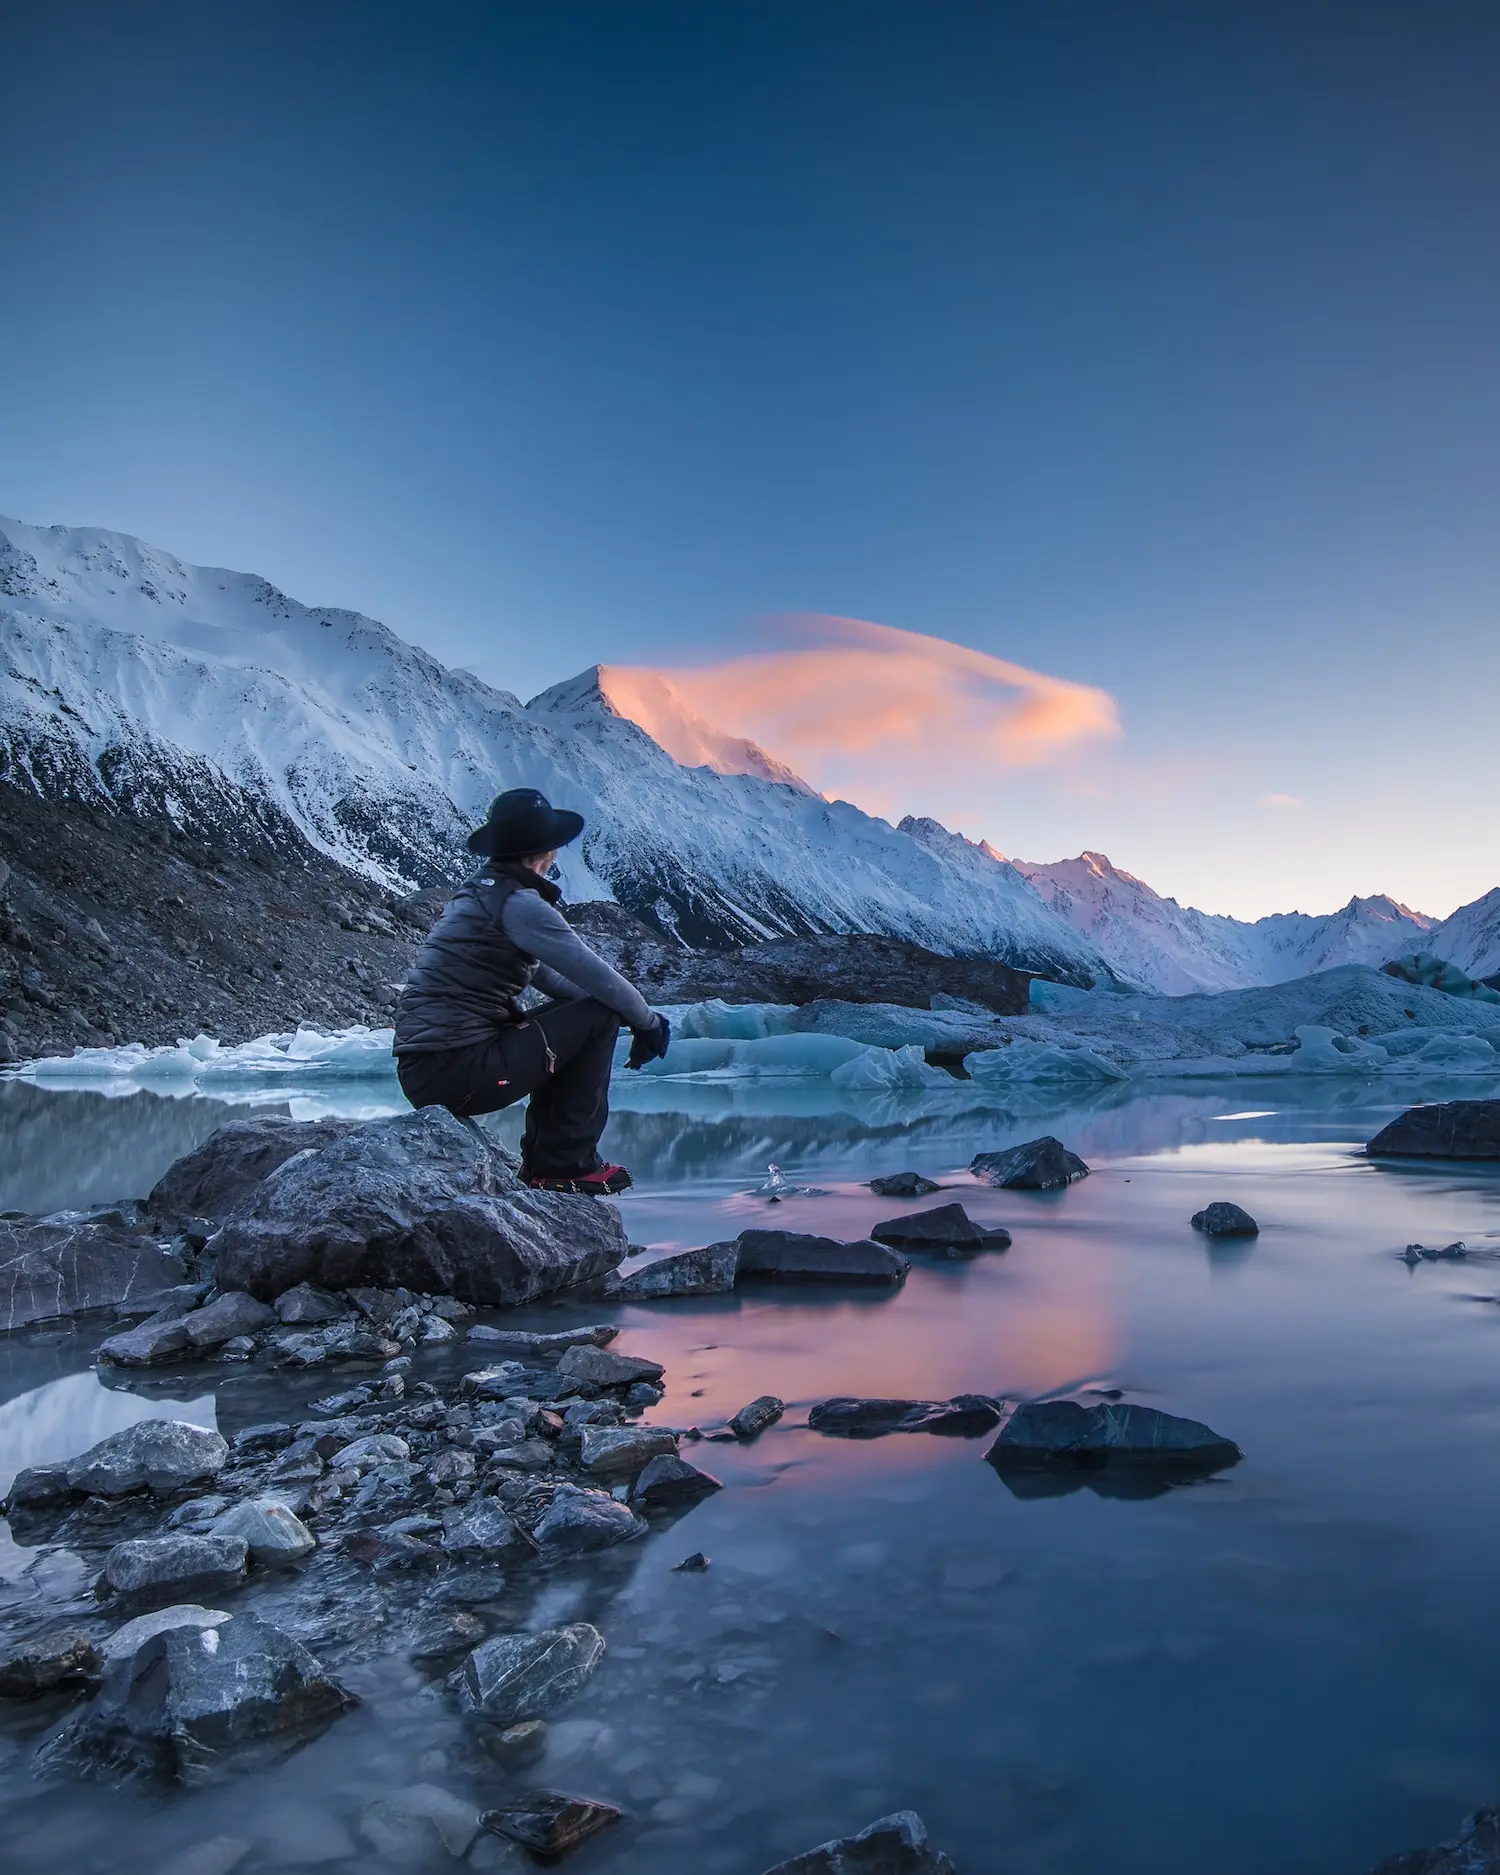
<point x="161" y="1455"/>
<point x="671" y="1483"/>
<point x="751" y="1421"/>
<point x="1474" y="1851"/>
<point x="893" y="1845"/>
<point x="176" y="1564"/>
<point x="133" y="1634"/>
<point x="307" y="1304"/>
<point x="621" y="1451"/>
<point x="148" y="1344"/>
<point x="213" y="1178"/>
<point x="1225" y="1220"/>
<point x="707" y="1272"/>
<point x="418" y="1201"/>
<point x="965" y="1416"/>
<point x="524" y="1341"/>
<point x="601" y="1368"/>
<point x="904" y="1185"/>
<point x="66" y="1657"/>
<point x="272" y="1533"/>
<point x="1042" y="1434"/>
<point x="229" y="1314"/>
<point x="63" y="1265"/>
<point x="1451" y="1129"/>
<point x="578" y="1520"/>
<point x="549" y="1823"/>
<point x="187" y="1696"/>
<point x="484" y="1528"/>
<point x="1039" y="1165"/>
<point x="797" y="1256"/>
<point x="944" y="1227"/>
<point x="524" y="1676"/>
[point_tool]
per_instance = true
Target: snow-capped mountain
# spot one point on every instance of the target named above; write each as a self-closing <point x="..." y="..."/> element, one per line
<point x="1173" y="949"/>
<point x="1471" y="937"/>
<point x="133" y="680"/>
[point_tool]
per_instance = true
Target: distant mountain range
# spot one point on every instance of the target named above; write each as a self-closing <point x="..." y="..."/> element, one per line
<point x="133" y="681"/>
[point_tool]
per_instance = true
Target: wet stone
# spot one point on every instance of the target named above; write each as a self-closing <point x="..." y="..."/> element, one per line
<point x="1043" y="1164"/>
<point x="598" y="1367"/>
<point x="904" y="1185"/>
<point x="274" y="1436"/>
<point x="621" y="1451"/>
<point x="1225" y="1220"/>
<point x="273" y="1535"/>
<point x="523" y="1341"/>
<point x="484" y="1528"/>
<point x="133" y="1634"/>
<point x="226" y="1317"/>
<point x="307" y="1304"/>
<point x="797" y="1256"/>
<point x="1047" y="1433"/>
<point x="492" y="1383"/>
<point x="691" y="1565"/>
<point x="161" y="1455"/>
<point x="671" y="1483"/>
<point x="176" y="1564"/>
<point x="893" y="1845"/>
<point x="707" y="1272"/>
<point x="967" y="1415"/>
<point x="752" y="1420"/>
<point x="946" y="1227"/>
<point x="46" y="1662"/>
<point x="149" y="1344"/>
<point x="525" y="1676"/>
<point x="441" y="1635"/>
<point x="577" y="1521"/>
<point x="517" y="1745"/>
<point x="413" y="1821"/>
<point x="550" y="1823"/>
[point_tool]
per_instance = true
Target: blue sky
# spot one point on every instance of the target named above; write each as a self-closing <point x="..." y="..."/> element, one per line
<point x="1154" y="347"/>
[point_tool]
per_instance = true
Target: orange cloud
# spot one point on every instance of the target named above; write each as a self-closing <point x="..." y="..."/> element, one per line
<point x="868" y="709"/>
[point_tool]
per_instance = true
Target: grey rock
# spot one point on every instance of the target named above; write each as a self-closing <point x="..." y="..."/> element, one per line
<point x="272" y="1436"/>
<point x="484" y="1528"/>
<point x="579" y="1520"/>
<point x="451" y="1467"/>
<point x="965" y="1416"/>
<point x="750" y="1421"/>
<point x="66" y="1657"/>
<point x="187" y="1696"/>
<point x="598" y="1367"/>
<point x="1474" y="1851"/>
<point x="691" y="1565"/>
<point x="178" y="1564"/>
<point x="273" y="1535"/>
<point x="525" y="1676"/>
<point x="523" y="1341"/>
<point x="228" y="1315"/>
<point x="549" y="1823"/>
<point x="198" y="1512"/>
<point x="307" y="1305"/>
<point x="133" y="1634"/>
<point x="671" y="1483"/>
<point x="518" y="1745"/>
<point x="376" y="1448"/>
<point x="904" y="1185"/>
<point x="944" y="1227"/>
<point x="621" y="1451"/>
<point x="37" y="1485"/>
<point x="1039" y="1165"/>
<point x="529" y="1455"/>
<point x="1451" y="1129"/>
<point x="1225" y="1220"/>
<point x="707" y="1272"/>
<point x="1043" y="1434"/>
<point x="419" y="1201"/>
<point x="491" y="1383"/>
<point x="441" y="1636"/>
<point x="213" y="1178"/>
<point x="162" y="1455"/>
<point x="148" y="1344"/>
<point x="798" y="1256"/>
<point x="64" y="1265"/>
<point x="894" y="1845"/>
<point x="642" y="1395"/>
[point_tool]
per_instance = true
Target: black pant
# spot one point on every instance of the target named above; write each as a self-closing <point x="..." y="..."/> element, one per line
<point x="560" y="1055"/>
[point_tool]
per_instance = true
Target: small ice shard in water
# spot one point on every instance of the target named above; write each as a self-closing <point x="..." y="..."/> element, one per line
<point x="775" y="1187"/>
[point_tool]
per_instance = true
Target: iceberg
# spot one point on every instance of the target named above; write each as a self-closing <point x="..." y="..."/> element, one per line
<point x="791" y="1055"/>
<point x="203" y="1061"/>
<point x="1057" y="1064"/>
<point x="886" y="1070"/>
<point x="1323" y="1050"/>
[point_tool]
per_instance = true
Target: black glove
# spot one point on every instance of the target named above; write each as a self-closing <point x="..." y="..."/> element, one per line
<point x="650" y="1044"/>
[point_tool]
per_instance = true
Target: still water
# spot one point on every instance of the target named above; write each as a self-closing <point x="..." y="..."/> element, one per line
<point x="1291" y="1668"/>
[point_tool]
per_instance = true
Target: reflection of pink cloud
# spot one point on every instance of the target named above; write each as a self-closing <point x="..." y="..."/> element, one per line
<point x="873" y="710"/>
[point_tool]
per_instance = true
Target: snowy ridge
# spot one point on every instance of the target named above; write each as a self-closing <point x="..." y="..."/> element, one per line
<point x="132" y="679"/>
<point x="1471" y="937"/>
<point x="1175" y="950"/>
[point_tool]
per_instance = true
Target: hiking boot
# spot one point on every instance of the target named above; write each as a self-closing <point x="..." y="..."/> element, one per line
<point x="599" y="1183"/>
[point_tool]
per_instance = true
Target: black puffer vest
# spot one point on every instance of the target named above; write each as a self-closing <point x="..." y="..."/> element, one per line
<point x="462" y="988"/>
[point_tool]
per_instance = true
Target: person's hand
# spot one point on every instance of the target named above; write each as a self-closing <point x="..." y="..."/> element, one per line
<point x="650" y="1044"/>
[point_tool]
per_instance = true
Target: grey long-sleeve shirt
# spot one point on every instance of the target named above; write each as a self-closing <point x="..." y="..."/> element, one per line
<point x="568" y="969"/>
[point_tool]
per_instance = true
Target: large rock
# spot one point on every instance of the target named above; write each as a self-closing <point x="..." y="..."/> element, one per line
<point x="894" y="1845"/>
<point x="904" y="1185"/>
<point x="945" y="1227"/>
<point x="598" y="1367"/>
<point x="965" y="1416"/>
<point x="1046" y="1434"/>
<point x="622" y="1451"/>
<point x="707" y="1272"/>
<point x="523" y="1676"/>
<point x="187" y="1696"/>
<point x="1454" y="1129"/>
<point x="1222" y="1219"/>
<point x="231" y="1313"/>
<point x="421" y="1202"/>
<point x="133" y="1634"/>
<point x="484" y="1528"/>
<point x="671" y="1483"/>
<point x="176" y="1565"/>
<point x="577" y="1521"/>
<point x="62" y="1265"/>
<point x="1039" y="1165"/>
<point x="528" y="1341"/>
<point x="796" y="1256"/>
<point x="162" y="1455"/>
<point x="270" y="1530"/>
<point x="1474" y="1851"/>
<point x="148" y="1344"/>
<point x="210" y="1181"/>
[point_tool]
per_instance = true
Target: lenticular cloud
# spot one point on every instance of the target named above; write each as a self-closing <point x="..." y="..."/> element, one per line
<point x="867" y="707"/>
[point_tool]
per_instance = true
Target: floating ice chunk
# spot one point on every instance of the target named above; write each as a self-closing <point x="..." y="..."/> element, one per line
<point x="1451" y="1054"/>
<point x="1037" y="1062"/>
<point x="1050" y="998"/>
<point x="205" y="1060"/>
<point x="788" y="1055"/>
<point x="735" y="1022"/>
<point x="1324" y="1051"/>
<point x="887" y="1069"/>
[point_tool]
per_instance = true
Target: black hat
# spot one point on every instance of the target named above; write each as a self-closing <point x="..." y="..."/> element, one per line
<point x="523" y="822"/>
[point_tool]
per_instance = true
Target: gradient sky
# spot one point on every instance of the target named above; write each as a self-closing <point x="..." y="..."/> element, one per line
<point x="1155" y="347"/>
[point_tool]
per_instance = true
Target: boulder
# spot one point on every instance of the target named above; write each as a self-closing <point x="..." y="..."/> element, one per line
<point x="904" y="1185"/>
<point x="965" y="1416"/>
<point x="213" y="1178"/>
<point x="524" y="1341"/>
<point x="1474" y="1851"/>
<point x="1045" y="1434"/>
<point x="272" y="1533"/>
<point x="492" y="1383"/>
<point x="622" y="1451"/>
<point x="484" y="1527"/>
<point x="148" y="1344"/>
<point x="1040" y="1165"/>
<point x="63" y="1265"/>
<point x="133" y="1634"/>
<point x="230" y="1313"/>
<point x="1225" y="1220"/>
<point x="185" y="1697"/>
<point x="671" y="1483"/>
<point x="578" y="1520"/>
<point x="944" y="1227"/>
<point x="894" y="1845"/>
<point x="523" y="1676"/>
<point x="35" y="1486"/>
<point x="1452" y="1129"/>
<point x="597" y="1367"/>
<point x="66" y="1657"/>
<point x="707" y="1272"/>
<point x="549" y="1823"/>
<point x="161" y="1455"/>
<point x="307" y="1305"/>
<point x="751" y="1421"/>
<point x="795" y="1256"/>
<point x="176" y="1565"/>
<point x="419" y="1201"/>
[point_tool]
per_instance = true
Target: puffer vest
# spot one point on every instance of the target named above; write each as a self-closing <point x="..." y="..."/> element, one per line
<point x="461" y="990"/>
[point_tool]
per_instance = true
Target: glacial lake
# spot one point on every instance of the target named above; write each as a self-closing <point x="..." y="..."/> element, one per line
<point x="1288" y="1668"/>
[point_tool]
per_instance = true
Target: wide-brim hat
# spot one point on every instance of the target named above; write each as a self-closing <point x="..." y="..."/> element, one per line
<point x="522" y="822"/>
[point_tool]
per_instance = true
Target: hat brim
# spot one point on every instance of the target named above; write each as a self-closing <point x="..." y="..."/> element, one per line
<point x="562" y="827"/>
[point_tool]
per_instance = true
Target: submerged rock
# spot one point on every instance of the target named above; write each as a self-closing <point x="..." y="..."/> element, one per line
<point x="751" y="1421"/>
<point x="213" y="1178"/>
<point x="965" y="1416"/>
<point x="893" y="1845"/>
<point x="1043" y="1164"/>
<point x="1474" y="1851"/>
<point x="406" y="1826"/>
<point x="904" y="1185"/>
<point x="524" y="1676"/>
<point x="707" y="1272"/>
<point x="161" y="1455"/>
<point x="549" y="1823"/>
<point x="1225" y="1220"/>
<point x="1043" y="1434"/>
<point x="1452" y="1129"/>
<point x="176" y="1564"/>
<point x="63" y="1265"/>
<point x="66" y="1657"/>
<point x="798" y="1256"/>
<point x="420" y="1201"/>
<point x="944" y="1227"/>
<point x="671" y="1483"/>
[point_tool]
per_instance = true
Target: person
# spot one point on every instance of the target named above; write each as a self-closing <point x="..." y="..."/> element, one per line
<point x="464" y="1042"/>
